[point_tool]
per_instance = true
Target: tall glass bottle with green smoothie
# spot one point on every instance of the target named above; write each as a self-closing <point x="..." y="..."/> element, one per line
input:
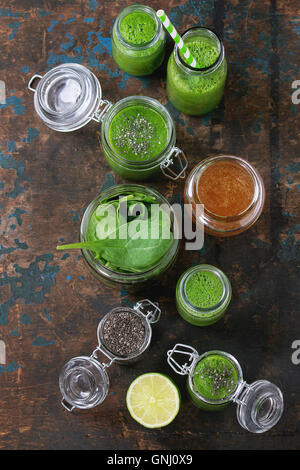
<point x="215" y="379"/>
<point x="138" y="40"/>
<point x="197" y="91"/>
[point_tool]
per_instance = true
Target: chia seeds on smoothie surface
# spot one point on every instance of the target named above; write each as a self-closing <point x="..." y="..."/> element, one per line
<point x="136" y="133"/>
<point x="215" y="377"/>
<point x="219" y="380"/>
<point x="123" y="333"/>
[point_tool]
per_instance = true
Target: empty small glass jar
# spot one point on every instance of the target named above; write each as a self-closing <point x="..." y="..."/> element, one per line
<point x="69" y="96"/>
<point x="131" y="281"/>
<point x="84" y="381"/>
<point x="259" y="405"/>
<point x="203" y="293"/>
<point x="138" y="53"/>
<point x="231" y="191"/>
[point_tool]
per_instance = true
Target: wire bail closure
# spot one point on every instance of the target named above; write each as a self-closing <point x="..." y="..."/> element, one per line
<point x="67" y="405"/>
<point x="185" y="350"/>
<point x="34" y="77"/>
<point x="94" y="355"/>
<point x="152" y="315"/>
<point x="100" y="113"/>
<point x="170" y="160"/>
<point x="239" y="394"/>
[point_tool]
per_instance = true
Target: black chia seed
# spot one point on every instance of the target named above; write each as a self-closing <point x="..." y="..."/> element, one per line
<point x="219" y="379"/>
<point x="123" y="333"/>
<point x="136" y="134"/>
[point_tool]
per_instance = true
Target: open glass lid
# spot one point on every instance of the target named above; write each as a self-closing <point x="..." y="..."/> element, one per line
<point x="259" y="406"/>
<point x="67" y="97"/>
<point x="83" y="383"/>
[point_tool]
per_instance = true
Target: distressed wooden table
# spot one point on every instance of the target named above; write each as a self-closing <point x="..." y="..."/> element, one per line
<point x="51" y="305"/>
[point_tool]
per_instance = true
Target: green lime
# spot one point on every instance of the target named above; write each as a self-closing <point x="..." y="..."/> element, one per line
<point x="153" y="400"/>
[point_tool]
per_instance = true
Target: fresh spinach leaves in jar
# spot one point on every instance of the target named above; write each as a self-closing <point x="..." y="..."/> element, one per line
<point x="130" y="233"/>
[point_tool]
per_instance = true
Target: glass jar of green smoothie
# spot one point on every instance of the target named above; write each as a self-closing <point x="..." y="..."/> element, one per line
<point x="197" y="91"/>
<point x="138" y="138"/>
<point x="138" y="40"/>
<point x="137" y="133"/>
<point x="203" y="294"/>
<point x="128" y="236"/>
<point x="124" y="336"/>
<point x="215" y="379"/>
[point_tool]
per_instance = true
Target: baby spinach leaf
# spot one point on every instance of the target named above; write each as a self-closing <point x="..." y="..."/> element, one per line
<point x="125" y="241"/>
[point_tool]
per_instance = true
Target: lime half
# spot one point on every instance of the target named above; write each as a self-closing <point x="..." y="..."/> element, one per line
<point x="153" y="400"/>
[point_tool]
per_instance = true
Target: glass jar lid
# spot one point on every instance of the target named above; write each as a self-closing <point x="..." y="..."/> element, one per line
<point x="83" y="383"/>
<point x="138" y="9"/>
<point x="216" y="294"/>
<point x="67" y="97"/>
<point x="259" y="406"/>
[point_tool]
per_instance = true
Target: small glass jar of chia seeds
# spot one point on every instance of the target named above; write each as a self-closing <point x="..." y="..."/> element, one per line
<point x="231" y="191"/>
<point x="138" y="40"/>
<point x="124" y="336"/>
<point x="137" y="133"/>
<point x="215" y="379"/>
<point x="105" y="273"/>
<point x="203" y="293"/>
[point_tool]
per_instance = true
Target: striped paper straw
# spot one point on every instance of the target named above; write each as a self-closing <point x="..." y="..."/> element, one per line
<point x="177" y="39"/>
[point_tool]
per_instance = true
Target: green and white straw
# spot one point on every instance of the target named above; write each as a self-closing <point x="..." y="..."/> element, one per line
<point x="178" y="40"/>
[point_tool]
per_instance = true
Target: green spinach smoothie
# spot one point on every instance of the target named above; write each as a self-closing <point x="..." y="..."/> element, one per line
<point x="138" y="40"/>
<point x="197" y="91"/>
<point x="205" y="53"/>
<point x="203" y="294"/>
<point x="204" y="289"/>
<point x="137" y="137"/>
<point x="138" y="28"/>
<point x="215" y="378"/>
<point x="138" y="133"/>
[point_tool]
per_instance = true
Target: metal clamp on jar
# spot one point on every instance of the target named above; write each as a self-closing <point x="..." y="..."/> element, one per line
<point x="215" y="379"/>
<point x="69" y="96"/>
<point x="84" y="381"/>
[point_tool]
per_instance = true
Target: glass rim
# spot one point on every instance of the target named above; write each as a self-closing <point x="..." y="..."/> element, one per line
<point x="156" y="106"/>
<point x="210" y="161"/>
<point x="222" y="225"/>
<point x="209" y="67"/>
<point x="234" y="362"/>
<point x="147" y="336"/>
<point x="224" y="300"/>
<point x="126" y="11"/>
<point x="82" y="112"/>
<point x="43" y="84"/>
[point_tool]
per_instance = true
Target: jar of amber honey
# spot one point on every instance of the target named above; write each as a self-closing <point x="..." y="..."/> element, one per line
<point x="231" y="191"/>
